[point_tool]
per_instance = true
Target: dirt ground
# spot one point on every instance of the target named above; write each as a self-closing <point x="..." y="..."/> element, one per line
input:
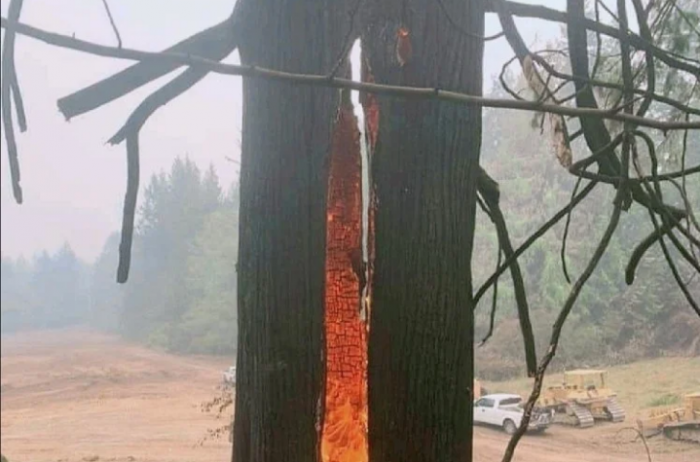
<point x="76" y="396"/>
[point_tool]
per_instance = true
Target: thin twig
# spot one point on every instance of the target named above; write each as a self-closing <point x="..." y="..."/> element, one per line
<point x="348" y="41"/>
<point x="114" y="25"/>
<point x="540" y="12"/>
<point x="174" y="60"/>
<point x="462" y="30"/>
<point x="641" y="437"/>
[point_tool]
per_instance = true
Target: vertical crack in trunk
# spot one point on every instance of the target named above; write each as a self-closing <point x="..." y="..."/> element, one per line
<point x="344" y="437"/>
<point x="370" y="108"/>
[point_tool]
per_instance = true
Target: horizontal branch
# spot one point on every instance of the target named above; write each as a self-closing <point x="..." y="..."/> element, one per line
<point x="335" y="82"/>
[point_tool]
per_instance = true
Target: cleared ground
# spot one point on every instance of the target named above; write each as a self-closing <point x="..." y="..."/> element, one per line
<point x="73" y="396"/>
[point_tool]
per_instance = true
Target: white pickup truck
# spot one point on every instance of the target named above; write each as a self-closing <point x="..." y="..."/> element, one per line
<point x="230" y="375"/>
<point x="506" y="411"/>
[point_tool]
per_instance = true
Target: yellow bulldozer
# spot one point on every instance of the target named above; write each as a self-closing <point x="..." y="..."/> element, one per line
<point x="479" y="390"/>
<point x="681" y="423"/>
<point x="582" y="399"/>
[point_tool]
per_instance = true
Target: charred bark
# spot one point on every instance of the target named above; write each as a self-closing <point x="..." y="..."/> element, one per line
<point x="286" y="141"/>
<point x="424" y="169"/>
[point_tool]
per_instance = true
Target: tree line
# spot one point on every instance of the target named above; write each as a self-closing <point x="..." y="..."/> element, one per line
<point x="183" y="294"/>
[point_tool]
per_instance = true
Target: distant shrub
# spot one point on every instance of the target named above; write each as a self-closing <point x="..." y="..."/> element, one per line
<point x="665" y="400"/>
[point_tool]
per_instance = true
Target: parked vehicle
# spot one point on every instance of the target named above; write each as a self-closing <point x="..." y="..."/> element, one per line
<point x="506" y="411"/>
<point x="230" y="376"/>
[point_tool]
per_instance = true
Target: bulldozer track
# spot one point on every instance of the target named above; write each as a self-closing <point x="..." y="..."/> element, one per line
<point x="575" y="415"/>
<point x="683" y="431"/>
<point x="583" y="416"/>
<point x="616" y="412"/>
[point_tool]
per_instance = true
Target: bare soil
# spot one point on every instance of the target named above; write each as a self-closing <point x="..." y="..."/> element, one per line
<point x="77" y="396"/>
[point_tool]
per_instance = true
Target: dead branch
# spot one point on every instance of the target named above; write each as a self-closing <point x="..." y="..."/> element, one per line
<point x="129" y="216"/>
<point x="9" y="92"/>
<point x="208" y="43"/>
<point x="562" y="253"/>
<point x="170" y="61"/>
<point x="671" y="264"/>
<point x="488" y="189"/>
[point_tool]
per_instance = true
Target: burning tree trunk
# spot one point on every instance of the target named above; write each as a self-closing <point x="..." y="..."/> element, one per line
<point x="345" y="419"/>
<point x="424" y="172"/>
<point x="286" y="139"/>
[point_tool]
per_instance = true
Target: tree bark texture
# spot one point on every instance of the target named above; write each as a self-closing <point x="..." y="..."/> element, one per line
<point x="424" y="169"/>
<point x="286" y="142"/>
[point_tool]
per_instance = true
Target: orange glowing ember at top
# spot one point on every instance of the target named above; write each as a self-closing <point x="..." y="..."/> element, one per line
<point x="404" y="49"/>
<point x="344" y="436"/>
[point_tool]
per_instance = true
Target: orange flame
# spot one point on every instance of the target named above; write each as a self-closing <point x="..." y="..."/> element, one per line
<point x="344" y="437"/>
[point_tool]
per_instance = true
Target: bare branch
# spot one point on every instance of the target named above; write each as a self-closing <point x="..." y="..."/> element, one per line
<point x="174" y="60"/>
<point x="540" y="12"/>
<point x="488" y="189"/>
<point x="562" y="253"/>
<point x="132" y="190"/>
<point x="210" y="43"/>
<point x="461" y="29"/>
<point x="9" y="90"/>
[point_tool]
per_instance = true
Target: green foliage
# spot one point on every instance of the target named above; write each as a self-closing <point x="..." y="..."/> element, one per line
<point x="181" y="295"/>
<point x="668" y="399"/>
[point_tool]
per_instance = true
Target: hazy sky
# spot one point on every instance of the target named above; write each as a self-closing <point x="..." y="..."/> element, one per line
<point x="73" y="182"/>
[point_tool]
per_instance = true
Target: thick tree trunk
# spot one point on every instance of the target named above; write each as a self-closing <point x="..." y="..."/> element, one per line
<point x="285" y="147"/>
<point x="424" y="169"/>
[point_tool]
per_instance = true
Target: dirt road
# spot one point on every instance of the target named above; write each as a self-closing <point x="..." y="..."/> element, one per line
<point x="72" y="396"/>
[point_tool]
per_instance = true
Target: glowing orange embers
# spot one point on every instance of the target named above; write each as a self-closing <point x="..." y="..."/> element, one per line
<point x="344" y="437"/>
<point x="404" y="50"/>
